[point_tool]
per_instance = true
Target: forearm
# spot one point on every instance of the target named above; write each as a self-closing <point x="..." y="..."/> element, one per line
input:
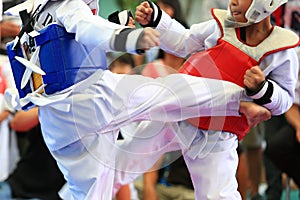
<point x="9" y="29"/>
<point x="24" y="121"/>
<point x="293" y="117"/>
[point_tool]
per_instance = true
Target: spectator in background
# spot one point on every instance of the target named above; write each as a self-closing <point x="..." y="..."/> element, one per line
<point x="252" y="143"/>
<point x="9" y="154"/>
<point x="283" y="16"/>
<point x="283" y="143"/>
<point x="9" y="26"/>
<point x="36" y="174"/>
<point x="120" y="63"/>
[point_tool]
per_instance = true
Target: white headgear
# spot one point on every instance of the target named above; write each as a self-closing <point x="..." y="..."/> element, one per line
<point x="257" y="11"/>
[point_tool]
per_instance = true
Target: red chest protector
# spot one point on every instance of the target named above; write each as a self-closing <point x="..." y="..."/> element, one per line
<point x="224" y="62"/>
<point x="229" y="60"/>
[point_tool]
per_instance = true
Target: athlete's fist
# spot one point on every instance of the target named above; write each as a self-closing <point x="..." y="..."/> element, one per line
<point x="143" y="13"/>
<point x="149" y="39"/>
<point x="253" y="78"/>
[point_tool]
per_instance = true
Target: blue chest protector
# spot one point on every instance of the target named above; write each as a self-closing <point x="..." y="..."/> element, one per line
<point x="61" y="57"/>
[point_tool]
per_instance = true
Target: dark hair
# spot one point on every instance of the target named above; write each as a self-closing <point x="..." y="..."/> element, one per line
<point x="175" y="4"/>
<point x="125" y="58"/>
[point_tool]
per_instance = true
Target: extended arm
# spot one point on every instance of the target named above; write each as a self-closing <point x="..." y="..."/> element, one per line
<point x="95" y="31"/>
<point x="174" y="37"/>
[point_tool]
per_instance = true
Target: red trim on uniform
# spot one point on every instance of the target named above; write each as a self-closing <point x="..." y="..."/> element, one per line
<point x="279" y="49"/>
<point x="217" y="20"/>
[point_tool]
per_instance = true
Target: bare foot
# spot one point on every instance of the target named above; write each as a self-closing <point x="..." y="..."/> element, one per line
<point x="254" y="113"/>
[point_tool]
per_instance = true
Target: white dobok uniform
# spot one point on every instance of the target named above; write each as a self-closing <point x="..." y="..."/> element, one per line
<point x="80" y="124"/>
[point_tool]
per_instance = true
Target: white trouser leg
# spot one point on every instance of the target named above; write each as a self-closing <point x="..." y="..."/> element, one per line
<point x="88" y="178"/>
<point x="214" y="175"/>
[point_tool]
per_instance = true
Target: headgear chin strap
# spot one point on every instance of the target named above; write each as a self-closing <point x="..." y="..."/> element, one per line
<point x="257" y="11"/>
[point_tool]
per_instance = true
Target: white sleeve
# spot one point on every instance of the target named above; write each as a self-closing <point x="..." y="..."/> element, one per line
<point x="281" y="70"/>
<point x="95" y="31"/>
<point x="90" y="29"/>
<point x="180" y="41"/>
